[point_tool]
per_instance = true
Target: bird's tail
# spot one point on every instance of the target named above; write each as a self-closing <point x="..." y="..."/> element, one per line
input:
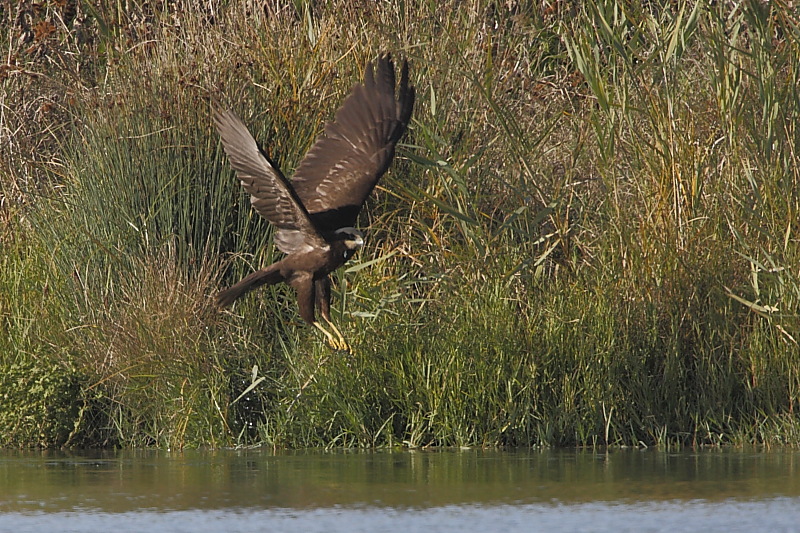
<point x="268" y="276"/>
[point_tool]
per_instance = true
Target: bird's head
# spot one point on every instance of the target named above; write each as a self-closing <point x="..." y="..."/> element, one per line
<point x="352" y="238"/>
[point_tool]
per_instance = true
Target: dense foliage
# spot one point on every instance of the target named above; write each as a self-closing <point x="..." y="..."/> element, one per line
<point x="589" y="235"/>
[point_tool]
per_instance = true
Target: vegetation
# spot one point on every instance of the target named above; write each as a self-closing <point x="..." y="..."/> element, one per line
<point x="589" y="237"/>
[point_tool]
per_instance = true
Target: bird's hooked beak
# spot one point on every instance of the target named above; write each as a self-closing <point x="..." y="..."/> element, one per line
<point x="354" y="239"/>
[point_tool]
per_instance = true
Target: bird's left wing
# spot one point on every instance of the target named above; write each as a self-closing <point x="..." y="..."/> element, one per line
<point x="346" y="162"/>
<point x="271" y="194"/>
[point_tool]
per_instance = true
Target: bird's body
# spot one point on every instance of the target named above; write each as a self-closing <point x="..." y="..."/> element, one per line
<point x="315" y="212"/>
<point x="300" y="271"/>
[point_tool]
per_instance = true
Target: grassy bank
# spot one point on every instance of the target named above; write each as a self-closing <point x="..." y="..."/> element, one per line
<point x="589" y="235"/>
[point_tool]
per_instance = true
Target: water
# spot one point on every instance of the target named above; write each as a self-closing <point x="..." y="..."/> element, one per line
<point x="465" y="491"/>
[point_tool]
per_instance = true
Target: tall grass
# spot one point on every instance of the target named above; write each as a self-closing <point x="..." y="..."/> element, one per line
<point x="588" y="236"/>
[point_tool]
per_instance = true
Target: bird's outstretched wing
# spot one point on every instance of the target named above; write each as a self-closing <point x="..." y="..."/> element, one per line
<point x="271" y="194"/>
<point x="346" y="162"/>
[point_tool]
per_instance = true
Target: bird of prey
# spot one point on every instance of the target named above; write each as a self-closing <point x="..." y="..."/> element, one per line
<point x="315" y="213"/>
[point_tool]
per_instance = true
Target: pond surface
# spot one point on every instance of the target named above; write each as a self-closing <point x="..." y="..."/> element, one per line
<point x="465" y="491"/>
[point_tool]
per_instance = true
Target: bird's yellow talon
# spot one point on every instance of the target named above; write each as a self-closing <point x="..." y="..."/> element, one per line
<point x="335" y="340"/>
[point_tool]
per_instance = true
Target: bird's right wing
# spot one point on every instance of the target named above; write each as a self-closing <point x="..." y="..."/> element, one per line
<point x="271" y="194"/>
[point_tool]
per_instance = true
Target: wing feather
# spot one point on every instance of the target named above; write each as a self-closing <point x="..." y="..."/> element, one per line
<point x="271" y="194"/>
<point x="357" y="147"/>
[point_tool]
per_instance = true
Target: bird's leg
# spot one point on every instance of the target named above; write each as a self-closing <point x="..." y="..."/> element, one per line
<point x="322" y="294"/>
<point x="328" y="335"/>
<point x="335" y="340"/>
<point x="309" y="292"/>
<point x="342" y="342"/>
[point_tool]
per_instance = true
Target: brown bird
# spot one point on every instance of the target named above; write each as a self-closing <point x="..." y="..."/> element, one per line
<point x="315" y="213"/>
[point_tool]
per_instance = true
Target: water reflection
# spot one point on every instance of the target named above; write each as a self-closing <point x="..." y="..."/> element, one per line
<point x="313" y="485"/>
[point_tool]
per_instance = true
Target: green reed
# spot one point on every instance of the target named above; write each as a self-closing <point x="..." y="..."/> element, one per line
<point x="587" y="237"/>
